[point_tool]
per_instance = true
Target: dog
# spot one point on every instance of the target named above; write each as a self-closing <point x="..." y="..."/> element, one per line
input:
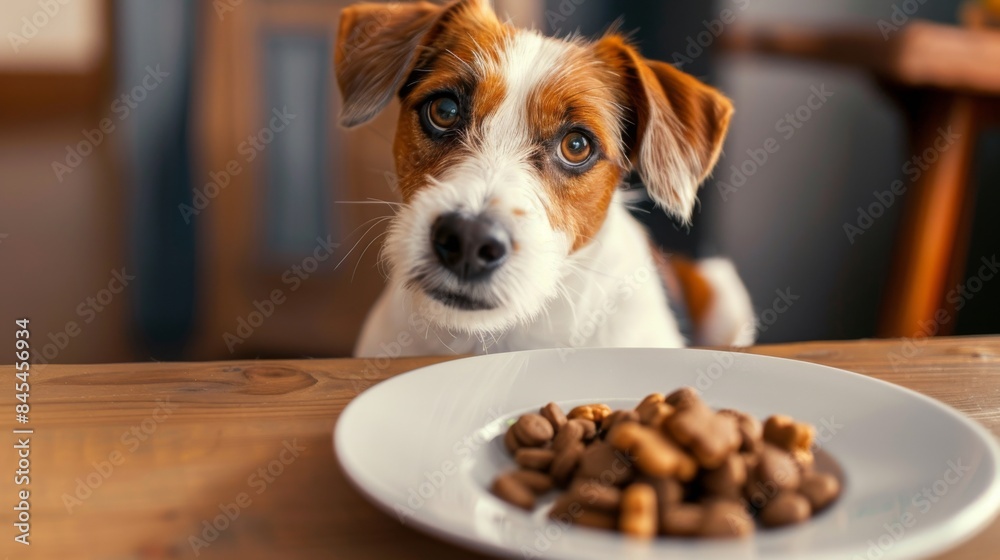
<point x="510" y="150"/>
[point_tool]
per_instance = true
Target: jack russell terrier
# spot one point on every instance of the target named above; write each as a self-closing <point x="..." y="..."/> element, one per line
<point x="510" y="150"/>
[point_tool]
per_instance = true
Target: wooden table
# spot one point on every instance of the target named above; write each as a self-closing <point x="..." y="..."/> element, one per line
<point x="144" y="454"/>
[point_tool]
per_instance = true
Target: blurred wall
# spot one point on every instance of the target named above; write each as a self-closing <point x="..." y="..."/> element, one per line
<point x="63" y="262"/>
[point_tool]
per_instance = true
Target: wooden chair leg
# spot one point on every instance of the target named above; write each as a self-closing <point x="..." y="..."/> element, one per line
<point x="933" y="234"/>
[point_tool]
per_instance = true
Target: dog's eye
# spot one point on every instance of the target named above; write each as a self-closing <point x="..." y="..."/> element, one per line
<point x="443" y="113"/>
<point x="575" y="148"/>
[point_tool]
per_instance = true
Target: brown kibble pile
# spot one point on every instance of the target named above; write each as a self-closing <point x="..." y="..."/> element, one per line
<point x="673" y="466"/>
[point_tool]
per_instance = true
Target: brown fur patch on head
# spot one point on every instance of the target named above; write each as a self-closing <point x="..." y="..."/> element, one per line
<point x="448" y="66"/>
<point x="581" y="96"/>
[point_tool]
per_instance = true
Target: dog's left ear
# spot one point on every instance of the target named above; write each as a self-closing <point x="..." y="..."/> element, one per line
<point x="678" y="129"/>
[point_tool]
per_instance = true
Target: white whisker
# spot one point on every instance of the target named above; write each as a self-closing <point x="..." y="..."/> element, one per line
<point x="360" y="239"/>
<point x="360" y="258"/>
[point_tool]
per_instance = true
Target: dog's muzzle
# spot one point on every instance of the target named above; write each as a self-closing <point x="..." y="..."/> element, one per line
<point x="470" y="247"/>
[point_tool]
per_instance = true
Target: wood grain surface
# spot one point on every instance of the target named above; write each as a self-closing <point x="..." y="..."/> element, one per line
<point x="129" y="461"/>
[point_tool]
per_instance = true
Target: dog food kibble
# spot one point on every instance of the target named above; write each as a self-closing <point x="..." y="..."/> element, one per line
<point x="511" y="490"/>
<point x="820" y="489"/>
<point x="682" y="398"/>
<point x="595" y="495"/>
<point x="784" y="509"/>
<point x="571" y="432"/>
<point x="751" y="431"/>
<point x="593" y="412"/>
<point x="617" y="417"/>
<point x="604" y="463"/>
<point x="510" y="441"/>
<point x="668" y="491"/>
<point x="725" y="519"/>
<point x="534" y="458"/>
<point x="554" y="415"/>
<point x="565" y="463"/>
<point x="728" y="480"/>
<point x="533" y="430"/>
<point x="589" y="428"/>
<point x="638" y="511"/>
<point x="682" y="520"/>
<point x="788" y="434"/>
<point x="537" y="482"/>
<point x="672" y="466"/>
<point x="654" y="454"/>
<point x="719" y="519"/>
<point x="776" y="468"/>
<point x="597" y="519"/>
<point x="653" y="410"/>
<point x="710" y="436"/>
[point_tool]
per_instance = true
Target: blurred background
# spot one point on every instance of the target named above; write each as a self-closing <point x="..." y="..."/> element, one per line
<point x="171" y="173"/>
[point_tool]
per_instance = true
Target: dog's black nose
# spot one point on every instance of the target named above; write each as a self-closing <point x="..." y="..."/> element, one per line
<point x="471" y="247"/>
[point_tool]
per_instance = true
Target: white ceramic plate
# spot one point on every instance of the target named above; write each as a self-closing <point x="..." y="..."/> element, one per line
<point x="919" y="476"/>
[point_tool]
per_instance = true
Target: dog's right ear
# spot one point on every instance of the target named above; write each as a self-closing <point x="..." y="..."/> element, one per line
<point x="376" y="46"/>
<point x="679" y="125"/>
